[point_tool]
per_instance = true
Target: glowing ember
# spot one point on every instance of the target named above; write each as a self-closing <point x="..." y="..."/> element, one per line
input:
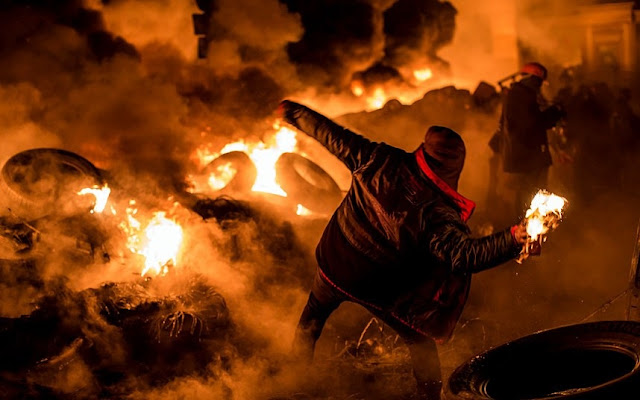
<point x="264" y="156"/>
<point x="377" y="99"/>
<point x="101" y="194"/>
<point x="544" y="214"/>
<point x="159" y="243"/>
<point x="423" y="74"/>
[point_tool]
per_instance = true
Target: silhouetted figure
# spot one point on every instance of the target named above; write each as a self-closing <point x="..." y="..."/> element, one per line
<point x="524" y="146"/>
<point x="625" y="128"/>
<point x="398" y="244"/>
<point x="588" y="128"/>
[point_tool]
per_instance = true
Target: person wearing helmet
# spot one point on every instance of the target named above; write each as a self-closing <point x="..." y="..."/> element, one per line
<point x="398" y="244"/>
<point x="524" y="146"/>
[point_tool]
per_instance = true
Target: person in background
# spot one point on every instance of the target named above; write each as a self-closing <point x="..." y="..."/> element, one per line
<point x="398" y="244"/>
<point x="524" y="146"/>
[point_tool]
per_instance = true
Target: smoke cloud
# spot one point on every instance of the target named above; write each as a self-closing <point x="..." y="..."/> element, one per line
<point x="119" y="82"/>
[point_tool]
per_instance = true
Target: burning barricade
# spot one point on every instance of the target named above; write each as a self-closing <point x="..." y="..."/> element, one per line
<point x="158" y="318"/>
<point x="272" y="169"/>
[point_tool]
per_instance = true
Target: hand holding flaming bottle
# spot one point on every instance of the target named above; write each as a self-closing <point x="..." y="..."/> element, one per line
<point x="544" y="214"/>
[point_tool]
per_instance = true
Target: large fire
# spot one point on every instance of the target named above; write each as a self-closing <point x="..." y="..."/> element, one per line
<point x="159" y="241"/>
<point x="263" y="154"/>
<point x="544" y="214"/>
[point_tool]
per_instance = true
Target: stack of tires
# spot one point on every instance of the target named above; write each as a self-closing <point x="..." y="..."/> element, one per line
<point x="304" y="181"/>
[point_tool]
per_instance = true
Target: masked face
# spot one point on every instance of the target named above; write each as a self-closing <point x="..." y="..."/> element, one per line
<point x="445" y="153"/>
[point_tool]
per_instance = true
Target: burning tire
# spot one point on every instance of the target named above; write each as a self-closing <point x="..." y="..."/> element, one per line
<point x="35" y="182"/>
<point x="232" y="171"/>
<point x="306" y="183"/>
<point x="598" y="360"/>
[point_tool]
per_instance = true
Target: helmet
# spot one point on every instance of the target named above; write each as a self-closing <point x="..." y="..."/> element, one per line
<point x="536" y="69"/>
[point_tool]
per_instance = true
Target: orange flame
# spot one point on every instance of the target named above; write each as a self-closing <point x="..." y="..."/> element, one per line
<point x="101" y="194"/>
<point x="423" y="74"/>
<point x="159" y="242"/>
<point x="377" y="99"/>
<point x="264" y="156"/>
<point x="357" y="88"/>
<point x="221" y="176"/>
<point x="544" y="214"/>
<point x="303" y="211"/>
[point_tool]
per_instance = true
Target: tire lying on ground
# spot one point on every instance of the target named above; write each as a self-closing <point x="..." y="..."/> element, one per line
<point x="307" y="183"/>
<point x="37" y="182"/>
<point x="234" y="171"/>
<point x="599" y="360"/>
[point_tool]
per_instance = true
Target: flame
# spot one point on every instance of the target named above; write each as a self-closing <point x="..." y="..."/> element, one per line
<point x="101" y="194"/>
<point x="357" y="88"/>
<point x="423" y="74"/>
<point x="221" y="176"/>
<point x="159" y="242"/>
<point x="377" y="99"/>
<point x="303" y="211"/>
<point x="544" y="214"/>
<point x="264" y="156"/>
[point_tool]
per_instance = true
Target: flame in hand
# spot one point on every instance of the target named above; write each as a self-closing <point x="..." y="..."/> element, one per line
<point x="544" y="214"/>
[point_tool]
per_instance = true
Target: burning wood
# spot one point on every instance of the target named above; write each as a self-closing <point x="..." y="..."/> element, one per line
<point x="544" y="214"/>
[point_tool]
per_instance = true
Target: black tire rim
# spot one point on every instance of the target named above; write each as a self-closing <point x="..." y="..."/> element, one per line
<point x="306" y="183"/>
<point x="242" y="175"/>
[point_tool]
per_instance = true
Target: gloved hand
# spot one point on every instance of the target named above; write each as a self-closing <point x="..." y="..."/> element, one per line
<point x="522" y="238"/>
<point x="519" y="233"/>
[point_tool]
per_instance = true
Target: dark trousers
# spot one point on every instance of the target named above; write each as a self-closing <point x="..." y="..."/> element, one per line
<point x="324" y="299"/>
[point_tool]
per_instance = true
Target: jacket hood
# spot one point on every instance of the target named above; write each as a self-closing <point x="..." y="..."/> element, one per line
<point x="445" y="153"/>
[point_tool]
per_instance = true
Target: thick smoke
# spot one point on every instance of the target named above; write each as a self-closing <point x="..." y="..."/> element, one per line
<point x="119" y="82"/>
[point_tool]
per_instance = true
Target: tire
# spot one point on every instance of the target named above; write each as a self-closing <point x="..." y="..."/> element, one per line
<point x="307" y="183"/>
<point x="599" y="360"/>
<point x="242" y="179"/>
<point x="36" y="182"/>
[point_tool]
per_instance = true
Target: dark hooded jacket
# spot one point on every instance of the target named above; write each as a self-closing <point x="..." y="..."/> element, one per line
<point x="398" y="243"/>
<point x="524" y="125"/>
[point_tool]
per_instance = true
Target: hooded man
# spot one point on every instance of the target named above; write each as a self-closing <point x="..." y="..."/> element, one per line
<point x="398" y="244"/>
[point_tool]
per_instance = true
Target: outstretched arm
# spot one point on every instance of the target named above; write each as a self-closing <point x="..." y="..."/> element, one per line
<point x="450" y="242"/>
<point x="350" y="148"/>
